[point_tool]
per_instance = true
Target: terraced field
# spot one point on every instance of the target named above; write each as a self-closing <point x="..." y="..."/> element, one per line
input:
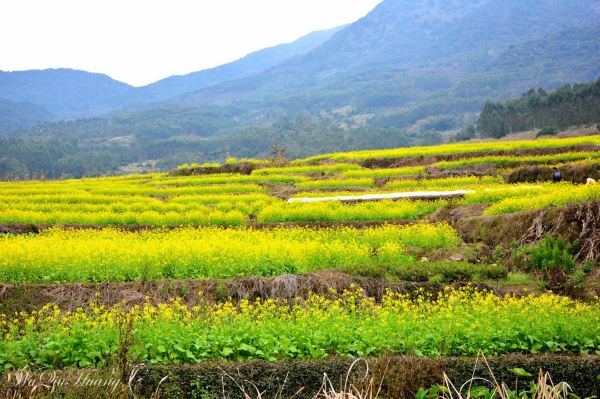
<point x="212" y="264"/>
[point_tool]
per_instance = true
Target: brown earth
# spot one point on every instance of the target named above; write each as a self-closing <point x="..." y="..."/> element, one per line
<point x="435" y="173"/>
<point x="573" y="222"/>
<point x="286" y="191"/>
<point x="243" y="168"/>
<point x="577" y="222"/>
<point x="398" y="376"/>
<point x="34" y="229"/>
<point x="577" y="173"/>
<point x="377" y="163"/>
<point x="192" y="292"/>
<point x="19" y="228"/>
<point x="453" y="214"/>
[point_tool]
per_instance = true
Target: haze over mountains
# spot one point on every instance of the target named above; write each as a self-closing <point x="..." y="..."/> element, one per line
<point x="400" y="75"/>
<point x="67" y="93"/>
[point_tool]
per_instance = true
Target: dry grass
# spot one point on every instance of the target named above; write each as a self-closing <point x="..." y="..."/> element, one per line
<point x="544" y="387"/>
<point x="366" y="388"/>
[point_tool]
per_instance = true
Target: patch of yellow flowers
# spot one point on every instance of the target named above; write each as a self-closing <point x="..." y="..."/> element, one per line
<point x="58" y="255"/>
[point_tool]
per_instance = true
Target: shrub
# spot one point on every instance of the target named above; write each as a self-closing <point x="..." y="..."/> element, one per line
<point x="547" y="131"/>
<point x="551" y="253"/>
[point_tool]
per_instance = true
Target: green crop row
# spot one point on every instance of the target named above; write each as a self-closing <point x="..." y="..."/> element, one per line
<point x="455" y="183"/>
<point x="247" y="204"/>
<point x="140" y="200"/>
<point x="459" y="322"/>
<point x="383" y="173"/>
<point x="204" y="217"/>
<point x="308" y="169"/>
<point x="334" y="183"/>
<point x="507" y="160"/>
<point x="225" y="179"/>
<point x="138" y="190"/>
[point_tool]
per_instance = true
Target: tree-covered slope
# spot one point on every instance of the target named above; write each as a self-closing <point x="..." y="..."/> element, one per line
<point x="566" y="106"/>
<point x="14" y="115"/>
<point x="405" y="37"/>
<point x="399" y="76"/>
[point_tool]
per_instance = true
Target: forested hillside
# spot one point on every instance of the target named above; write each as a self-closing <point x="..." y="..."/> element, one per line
<point x="14" y="115"/>
<point x="569" y="105"/>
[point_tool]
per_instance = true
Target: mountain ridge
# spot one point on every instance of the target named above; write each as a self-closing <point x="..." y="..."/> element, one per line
<point x="251" y="63"/>
<point x="317" y="66"/>
<point x="62" y="92"/>
<point x="66" y="93"/>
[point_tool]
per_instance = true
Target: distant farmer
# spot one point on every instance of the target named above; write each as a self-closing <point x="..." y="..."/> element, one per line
<point x="556" y="175"/>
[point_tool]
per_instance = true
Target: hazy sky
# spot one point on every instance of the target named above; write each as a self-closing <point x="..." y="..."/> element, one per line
<point x="141" y="41"/>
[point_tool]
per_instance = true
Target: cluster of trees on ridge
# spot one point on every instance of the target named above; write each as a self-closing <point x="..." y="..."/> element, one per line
<point x="569" y="105"/>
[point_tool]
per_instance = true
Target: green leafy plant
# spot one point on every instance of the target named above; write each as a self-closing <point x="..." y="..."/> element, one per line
<point x="350" y="324"/>
<point x="490" y="388"/>
<point x="549" y="254"/>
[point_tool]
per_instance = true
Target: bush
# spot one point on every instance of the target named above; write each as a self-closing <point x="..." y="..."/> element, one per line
<point x="467" y="133"/>
<point x="547" y="131"/>
<point x="551" y="253"/>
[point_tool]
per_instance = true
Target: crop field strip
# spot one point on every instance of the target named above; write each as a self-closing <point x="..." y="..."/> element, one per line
<point x="459" y="148"/>
<point x="506" y="160"/>
<point x="158" y="200"/>
<point x="112" y="255"/>
<point x="459" y="322"/>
